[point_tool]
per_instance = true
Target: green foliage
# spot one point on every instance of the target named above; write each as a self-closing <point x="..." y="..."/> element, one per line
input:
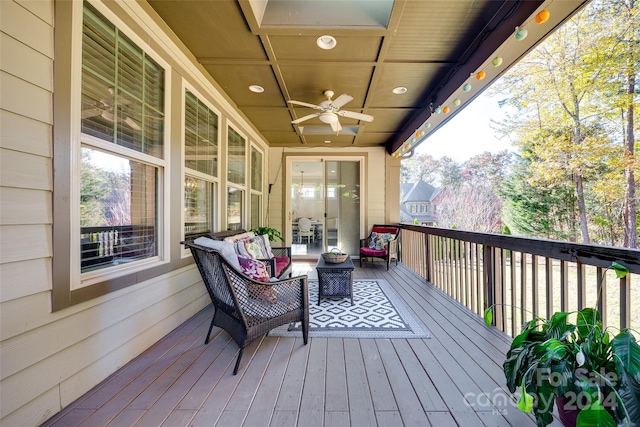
<point x="537" y="211"/>
<point x="572" y="105"/>
<point x="274" y="235"/>
<point x="555" y="357"/>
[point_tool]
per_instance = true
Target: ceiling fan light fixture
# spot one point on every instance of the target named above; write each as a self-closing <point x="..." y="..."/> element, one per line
<point x="326" y="42"/>
<point x="256" y="88"/>
<point x="399" y="90"/>
<point x="328" y="117"/>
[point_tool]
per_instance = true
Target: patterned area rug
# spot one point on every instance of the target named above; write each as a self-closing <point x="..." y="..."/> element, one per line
<point x="377" y="312"/>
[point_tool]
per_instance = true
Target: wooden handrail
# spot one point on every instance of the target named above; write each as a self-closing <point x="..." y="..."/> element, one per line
<point x="525" y="277"/>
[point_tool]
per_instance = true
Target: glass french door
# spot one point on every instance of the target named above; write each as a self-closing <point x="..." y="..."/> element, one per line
<point x="324" y="206"/>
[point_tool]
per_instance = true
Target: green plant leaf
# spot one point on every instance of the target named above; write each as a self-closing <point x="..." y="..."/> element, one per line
<point x="595" y="415"/>
<point x="587" y="319"/>
<point x="621" y="270"/>
<point x="516" y="365"/>
<point x="525" y="402"/>
<point x="552" y="349"/>
<point x="488" y="316"/>
<point x="557" y="326"/>
<point x="627" y="354"/>
<point x="629" y="391"/>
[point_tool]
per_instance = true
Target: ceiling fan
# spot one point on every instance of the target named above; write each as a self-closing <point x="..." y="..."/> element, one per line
<point x="330" y="110"/>
<point x="105" y="108"/>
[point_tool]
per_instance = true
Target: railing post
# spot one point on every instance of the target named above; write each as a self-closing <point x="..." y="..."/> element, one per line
<point x="488" y="278"/>
<point x="428" y="256"/>
<point x="548" y="273"/>
<point x="625" y="302"/>
<point x="582" y="293"/>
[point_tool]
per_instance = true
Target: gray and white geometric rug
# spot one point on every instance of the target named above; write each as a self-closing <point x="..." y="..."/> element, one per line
<point x="377" y="312"/>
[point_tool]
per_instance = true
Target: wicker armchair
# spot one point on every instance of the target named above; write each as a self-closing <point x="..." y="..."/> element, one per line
<point x="247" y="309"/>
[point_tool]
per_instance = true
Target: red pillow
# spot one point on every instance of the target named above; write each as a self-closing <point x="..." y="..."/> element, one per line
<point x="382" y="230"/>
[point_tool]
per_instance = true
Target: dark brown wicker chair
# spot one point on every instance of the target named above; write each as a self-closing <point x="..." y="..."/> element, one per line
<point x="241" y="307"/>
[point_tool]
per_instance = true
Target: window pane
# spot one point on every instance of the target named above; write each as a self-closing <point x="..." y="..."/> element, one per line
<point x="201" y="136"/>
<point x="117" y="210"/>
<point x="256" y="169"/>
<point x="236" y="161"/>
<point x="256" y="201"/>
<point x="234" y="208"/>
<point x="122" y="88"/>
<point x="198" y="206"/>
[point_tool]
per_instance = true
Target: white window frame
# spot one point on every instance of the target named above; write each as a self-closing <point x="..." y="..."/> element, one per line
<point x="242" y="187"/>
<point x="252" y="191"/>
<point x="79" y="139"/>
<point x="214" y="180"/>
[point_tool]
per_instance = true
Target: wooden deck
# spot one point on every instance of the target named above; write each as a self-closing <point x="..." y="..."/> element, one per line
<point x="329" y="382"/>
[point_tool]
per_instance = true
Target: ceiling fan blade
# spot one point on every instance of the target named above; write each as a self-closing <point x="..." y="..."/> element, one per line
<point x="132" y="124"/>
<point x="302" y="119"/>
<point x="336" y="127"/>
<point x="91" y="112"/>
<point x="354" y="115"/>
<point x="341" y="100"/>
<point x="305" y="104"/>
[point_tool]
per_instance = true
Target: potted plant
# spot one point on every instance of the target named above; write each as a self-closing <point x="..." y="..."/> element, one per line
<point x="590" y="373"/>
<point x="274" y="235"/>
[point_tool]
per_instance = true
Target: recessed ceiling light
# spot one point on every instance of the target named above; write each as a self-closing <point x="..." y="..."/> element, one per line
<point x="327" y="142"/>
<point x="326" y="42"/>
<point x="256" y="88"/>
<point x="399" y="90"/>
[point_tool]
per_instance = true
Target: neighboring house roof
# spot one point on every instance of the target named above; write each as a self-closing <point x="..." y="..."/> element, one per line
<point x="418" y="192"/>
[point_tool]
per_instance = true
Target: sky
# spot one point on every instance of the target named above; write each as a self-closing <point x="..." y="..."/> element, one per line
<point x="468" y="133"/>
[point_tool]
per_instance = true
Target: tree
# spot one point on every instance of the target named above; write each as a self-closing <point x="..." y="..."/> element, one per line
<point x="558" y="124"/>
<point x="93" y="189"/>
<point x="419" y="167"/>
<point x="534" y="211"/>
<point x="469" y="199"/>
<point x="623" y="42"/>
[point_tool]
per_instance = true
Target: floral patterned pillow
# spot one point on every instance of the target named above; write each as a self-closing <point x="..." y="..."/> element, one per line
<point x="257" y="271"/>
<point x="254" y="269"/>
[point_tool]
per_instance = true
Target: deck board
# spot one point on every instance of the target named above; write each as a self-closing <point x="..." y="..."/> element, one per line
<point x="329" y="382"/>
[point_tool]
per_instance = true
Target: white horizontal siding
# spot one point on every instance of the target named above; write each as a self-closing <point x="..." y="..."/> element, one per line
<point x="24" y="98"/>
<point x="25" y="170"/>
<point x="20" y="133"/>
<point x="23" y="21"/>
<point x="27" y="63"/>
<point x="24" y="278"/>
<point x="24" y="206"/>
<point x="43" y="9"/>
<point x="24" y="242"/>
<point x="59" y="350"/>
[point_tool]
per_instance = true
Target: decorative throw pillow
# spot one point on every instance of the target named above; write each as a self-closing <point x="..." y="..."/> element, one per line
<point x="266" y="245"/>
<point x="257" y="271"/>
<point x="383" y="240"/>
<point x="254" y="269"/>
<point x="373" y="244"/>
<point x="254" y="248"/>
<point x="225" y="249"/>
<point x="241" y="249"/>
